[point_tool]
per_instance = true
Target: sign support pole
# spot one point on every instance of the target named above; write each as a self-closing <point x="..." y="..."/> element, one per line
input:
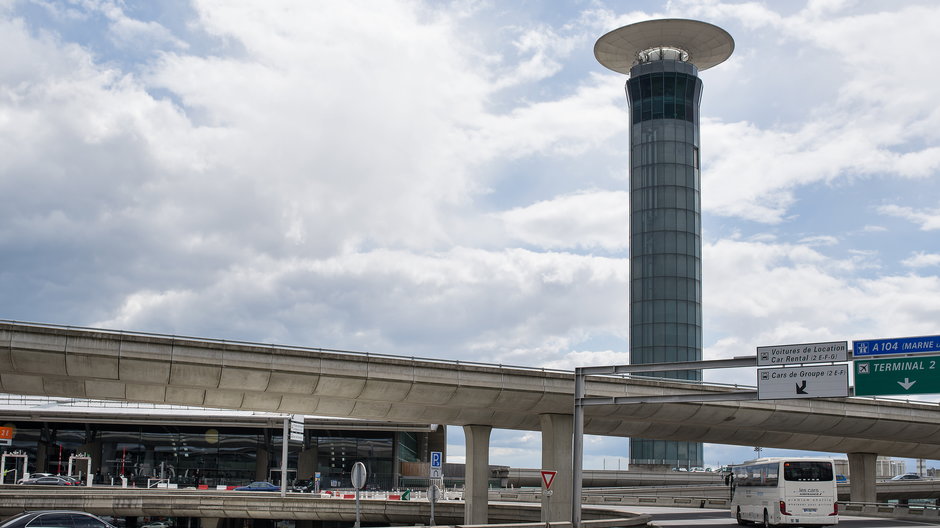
<point x="577" y="448"/>
<point x="432" y="497"/>
<point x="358" y="477"/>
<point x="357" y="509"/>
<point x="548" y="505"/>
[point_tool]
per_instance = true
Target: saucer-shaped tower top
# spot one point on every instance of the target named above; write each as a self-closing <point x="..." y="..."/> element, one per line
<point x="700" y="43"/>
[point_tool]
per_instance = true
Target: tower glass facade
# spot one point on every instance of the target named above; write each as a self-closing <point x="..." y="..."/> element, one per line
<point x="665" y="233"/>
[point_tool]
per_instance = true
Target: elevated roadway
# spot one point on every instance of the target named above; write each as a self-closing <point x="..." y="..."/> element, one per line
<point x="111" y="365"/>
<point x="98" y="364"/>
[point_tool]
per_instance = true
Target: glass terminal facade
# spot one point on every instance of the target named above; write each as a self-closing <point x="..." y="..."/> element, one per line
<point x="216" y="455"/>
<point x="665" y="231"/>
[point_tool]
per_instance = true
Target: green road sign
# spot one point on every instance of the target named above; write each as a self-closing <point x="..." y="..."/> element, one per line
<point x="908" y="375"/>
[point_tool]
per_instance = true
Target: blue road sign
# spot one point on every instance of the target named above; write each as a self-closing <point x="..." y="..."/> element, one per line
<point x="437" y="460"/>
<point x="896" y="346"/>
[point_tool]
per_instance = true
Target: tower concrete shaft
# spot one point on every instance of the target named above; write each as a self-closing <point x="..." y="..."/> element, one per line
<point x="663" y="58"/>
<point x="665" y="233"/>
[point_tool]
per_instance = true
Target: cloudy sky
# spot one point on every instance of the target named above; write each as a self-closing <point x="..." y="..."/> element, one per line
<point x="449" y="179"/>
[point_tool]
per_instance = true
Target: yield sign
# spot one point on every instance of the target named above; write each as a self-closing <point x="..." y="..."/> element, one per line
<point x="548" y="477"/>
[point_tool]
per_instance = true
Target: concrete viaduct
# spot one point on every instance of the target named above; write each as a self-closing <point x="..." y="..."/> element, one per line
<point x="109" y="365"/>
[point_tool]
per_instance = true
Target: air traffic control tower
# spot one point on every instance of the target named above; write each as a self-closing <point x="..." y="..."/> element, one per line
<point x="663" y="58"/>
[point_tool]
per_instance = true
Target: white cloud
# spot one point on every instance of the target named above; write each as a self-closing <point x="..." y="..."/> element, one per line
<point x="801" y="136"/>
<point x="567" y="126"/>
<point x="921" y="260"/>
<point x="458" y="304"/>
<point x="582" y="358"/>
<point x="928" y="219"/>
<point x="761" y="294"/>
<point x="590" y="219"/>
<point x="130" y="32"/>
<point x="820" y="240"/>
<point x="543" y="48"/>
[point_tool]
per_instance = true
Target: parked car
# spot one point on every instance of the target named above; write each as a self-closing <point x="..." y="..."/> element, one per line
<point x="35" y="476"/>
<point x="907" y="476"/>
<point x="259" y="486"/>
<point x="46" y="481"/>
<point x="840" y="479"/>
<point x="156" y="524"/>
<point x="73" y="519"/>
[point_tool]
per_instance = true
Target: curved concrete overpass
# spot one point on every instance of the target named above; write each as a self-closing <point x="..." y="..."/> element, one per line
<point x="99" y="364"/>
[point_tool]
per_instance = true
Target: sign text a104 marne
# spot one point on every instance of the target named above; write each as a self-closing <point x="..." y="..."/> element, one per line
<point x="895" y="346"/>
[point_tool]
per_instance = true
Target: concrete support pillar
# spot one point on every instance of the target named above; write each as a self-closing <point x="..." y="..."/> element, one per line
<point x="93" y="449"/>
<point x="261" y="464"/>
<point x="307" y="463"/>
<point x="557" y="430"/>
<point x="476" y="494"/>
<point x="42" y="456"/>
<point x="437" y="440"/>
<point x="209" y="522"/>
<point x="862" y="477"/>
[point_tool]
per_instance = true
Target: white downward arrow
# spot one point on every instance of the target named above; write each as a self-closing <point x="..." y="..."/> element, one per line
<point x="907" y="384"/>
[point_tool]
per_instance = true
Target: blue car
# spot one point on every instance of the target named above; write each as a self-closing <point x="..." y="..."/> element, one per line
<point x="259" y="486"/>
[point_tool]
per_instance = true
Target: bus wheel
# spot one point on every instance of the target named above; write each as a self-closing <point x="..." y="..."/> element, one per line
<point x="741" y="522"/>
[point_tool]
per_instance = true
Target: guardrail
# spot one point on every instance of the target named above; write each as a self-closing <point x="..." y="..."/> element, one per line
<point x="617" y="500"/>
<point x="911" y="512"/>
<point x="595" y="523"/>
<point x="185" y="338"/>
<point x="908" y="512"/>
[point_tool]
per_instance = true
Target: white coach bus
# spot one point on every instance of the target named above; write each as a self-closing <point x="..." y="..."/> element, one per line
<point x="784" y="491"/>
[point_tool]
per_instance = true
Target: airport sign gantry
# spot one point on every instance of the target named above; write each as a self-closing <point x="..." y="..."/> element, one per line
<point x="827" y="381"/>
<point x="835" y="374"/>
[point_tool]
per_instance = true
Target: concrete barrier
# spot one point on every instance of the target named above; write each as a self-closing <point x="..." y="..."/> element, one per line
<point x="128" y="502"/>
<point x="923" y="513"/>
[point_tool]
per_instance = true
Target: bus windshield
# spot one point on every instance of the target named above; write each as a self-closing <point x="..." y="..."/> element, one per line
<point x="807" y="471"/>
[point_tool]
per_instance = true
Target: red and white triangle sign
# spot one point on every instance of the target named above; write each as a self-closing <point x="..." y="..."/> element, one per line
<point x="548" y="477"/>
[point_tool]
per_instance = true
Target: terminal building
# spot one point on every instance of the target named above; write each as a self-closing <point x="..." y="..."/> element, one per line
<point x="192" y="447"/>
